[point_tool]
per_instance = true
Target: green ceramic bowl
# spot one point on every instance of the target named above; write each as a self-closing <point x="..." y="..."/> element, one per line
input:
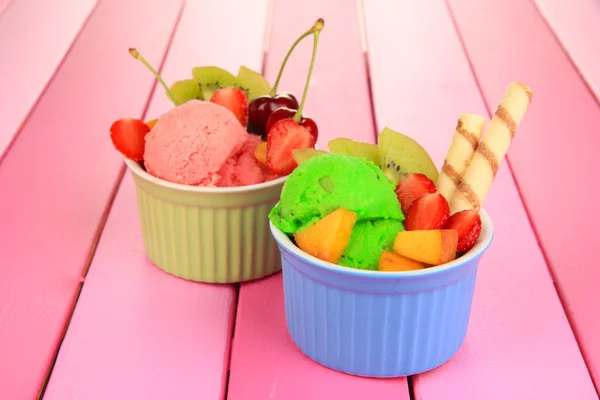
<point x="208" y="234"/>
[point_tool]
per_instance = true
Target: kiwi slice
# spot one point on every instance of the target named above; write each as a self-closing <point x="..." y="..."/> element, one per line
<point x="301" y="155"/>
<point x="186" y="90"/>
<point x="400" y="155"/>
<point x="353" y="148"/>
<point x="252" y="82"/>
<point x="210" y="79"/>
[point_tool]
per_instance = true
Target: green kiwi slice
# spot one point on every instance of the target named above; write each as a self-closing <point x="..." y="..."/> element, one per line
<point x="186" y="90"/>
<point x="353" y="148"/>
<point x="210" y="79"/>
<point x="301" y="155"/>
<point x="400" y="155"/>
<point x="252" y="82"/>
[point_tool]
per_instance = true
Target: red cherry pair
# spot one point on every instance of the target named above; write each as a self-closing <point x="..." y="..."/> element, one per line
<point x="264" y="110"/>
<point x="287" y="129"/>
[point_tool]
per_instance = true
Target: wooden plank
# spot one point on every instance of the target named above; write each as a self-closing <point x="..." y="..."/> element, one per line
<point x="138" y="332"/>
<point x="57" y="180"/>
<point x="4" y="5"/>
<point x="264" y="362"/>
<point x="518" y="334"/>
<point x="577" y="26"/>
<point x="554" y="158"/>
<point x="175" y="334"/>
<point x="240" y="44"/>
<point x="35" y="38"/>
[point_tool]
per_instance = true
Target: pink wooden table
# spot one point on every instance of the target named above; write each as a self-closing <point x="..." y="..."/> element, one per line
<point x="85" y="316"/>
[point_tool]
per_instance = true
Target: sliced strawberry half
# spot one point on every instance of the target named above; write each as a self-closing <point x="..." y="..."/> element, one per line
<point x="411" y="188"/>
<point x="430" y="211"/>
<point x="235" y="100"/>
<point x="286" y="135"/>
<point x="468" y="225"/>
<point x="128" y="136"/>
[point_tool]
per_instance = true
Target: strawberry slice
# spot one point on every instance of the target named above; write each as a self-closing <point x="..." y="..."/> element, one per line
<point x="411" y="188"/>
<point x="128" y="136"/>
<point x="286" y="135"/>
<point x="468" y="225"/>
<point x="429" y="211"/>
<point x="235" y="100"/>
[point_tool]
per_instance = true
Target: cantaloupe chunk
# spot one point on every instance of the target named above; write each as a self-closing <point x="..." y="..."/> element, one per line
<point x="151" y="123"/>
<point x="260" y="153"/>
<point x="433" y="247"/>
<point x="327" y="238"/>
<point x="393" y="262"/>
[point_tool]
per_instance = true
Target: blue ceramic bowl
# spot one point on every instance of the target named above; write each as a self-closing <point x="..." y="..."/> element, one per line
<point x="378" y="324"/>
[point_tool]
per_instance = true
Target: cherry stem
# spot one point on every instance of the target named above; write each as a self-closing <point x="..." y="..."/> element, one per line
<point x="136" y="54"/>
<point x="317" y="30"/>
<point x="289" y="53"/>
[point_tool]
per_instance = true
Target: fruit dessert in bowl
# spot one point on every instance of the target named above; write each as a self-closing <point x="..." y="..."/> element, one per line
<point x="209" y="170"/>
<point x="380" y="251"/>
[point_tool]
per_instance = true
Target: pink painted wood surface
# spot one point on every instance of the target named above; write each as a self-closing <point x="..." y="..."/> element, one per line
<point x="4" y="5"/>
<point x="519" y="343"/>
<point x="265" y="364"/>
<point x="56" y="181"/>
<point x="577" y="26"/>
<point x="241" y="44"/>
<point x="34" y="38"/>
<point x="555" y="156"/>
<point x="171" y="336"/>
<point x="139" y="333"/>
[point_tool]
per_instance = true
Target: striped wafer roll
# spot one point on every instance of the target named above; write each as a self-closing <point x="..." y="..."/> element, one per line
<point x="464" y="143"/>
<point x="480" y="173"/>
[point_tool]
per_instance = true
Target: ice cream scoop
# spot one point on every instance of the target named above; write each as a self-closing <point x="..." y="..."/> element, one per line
<point x="190" y="143"/>
<point x="327" y="182"/>
<point x="243" y="168"/>
<point x="369" y="239"/>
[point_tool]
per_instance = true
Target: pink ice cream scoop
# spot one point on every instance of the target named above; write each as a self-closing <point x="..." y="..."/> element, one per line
<point x="202" y="143"/>
<point x="190" y="143"/>
<point x="243" y="169"/>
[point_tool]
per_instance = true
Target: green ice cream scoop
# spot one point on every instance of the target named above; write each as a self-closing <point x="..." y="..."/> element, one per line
<point x="368" y="240"/>
<point x="324" y="183"/>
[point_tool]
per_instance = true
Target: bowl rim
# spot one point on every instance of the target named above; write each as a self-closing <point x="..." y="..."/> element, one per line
<point x="136" y="168"/>
<point x="485" y="238"/>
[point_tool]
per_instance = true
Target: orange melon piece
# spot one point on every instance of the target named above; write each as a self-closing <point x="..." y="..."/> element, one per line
<point x="260" y="153"/>
<point x="433" y="247"/>
<point x="393" y="262"/>
<point x="151" y="123"/>
<point x="327" y="238"/>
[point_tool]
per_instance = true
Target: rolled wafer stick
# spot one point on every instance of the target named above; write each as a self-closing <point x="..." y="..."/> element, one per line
<point x="464" y="143"/>
<point x="480" y="173"/>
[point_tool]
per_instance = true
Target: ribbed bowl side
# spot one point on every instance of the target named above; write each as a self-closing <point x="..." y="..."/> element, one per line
<point x="208" y="243"/>
<point x="375" y="334"/>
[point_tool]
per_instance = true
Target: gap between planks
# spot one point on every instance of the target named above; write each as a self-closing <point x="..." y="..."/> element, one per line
<point x="13" y="140"/>
<point x="265" y="51"/>
<point x="233" y="323"/>
<point x="514" y="177"/>
<point x="111" y="199"/>
<point x="566" y="53"/>
<point x="362" y="29"/>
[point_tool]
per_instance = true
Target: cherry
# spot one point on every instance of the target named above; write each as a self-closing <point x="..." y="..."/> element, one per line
<point x="296" y="115"/>
<point x="136" y="54"/>
<point x="261" y="108"/>
<point x="285" y="112"/>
